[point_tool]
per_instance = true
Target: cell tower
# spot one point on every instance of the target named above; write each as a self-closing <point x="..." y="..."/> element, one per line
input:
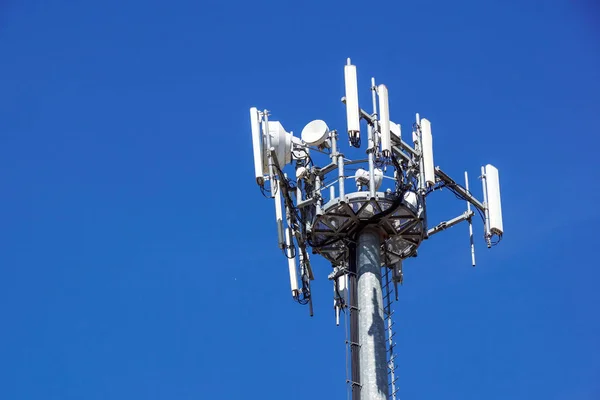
<point x="364" y="233"/>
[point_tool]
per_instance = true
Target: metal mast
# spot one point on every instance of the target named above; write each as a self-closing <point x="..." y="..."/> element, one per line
<point x="371" y="328"/>
<point x="365" y="234"/>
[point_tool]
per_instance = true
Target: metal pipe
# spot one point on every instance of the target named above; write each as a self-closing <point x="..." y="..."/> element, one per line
<point x="371" y="155"/>
<point x="328" y="168"/>
<point x="298" y="191"/>
<point x="470" y="223"/>
<point x="375" y="114"/>
<point x="317" y="195"/>
<point x="333" y="137"/>
<point x="371" y="328"/>
<point x="341" y="177"/>
<point x="465" y="193"/>
<point x="399" y="153"/>
<point x="449" y="224"/>
<point x="307" y="202"/>
<point x="265" y="126"/>
<point x="352" y="162"/>
<point x="371" y="147"/>
<point x="405" y="146"/>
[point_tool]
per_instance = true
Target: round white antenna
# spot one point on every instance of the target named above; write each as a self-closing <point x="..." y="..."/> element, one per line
<point x="315" y="132"/>
<point x="281" y="141"/>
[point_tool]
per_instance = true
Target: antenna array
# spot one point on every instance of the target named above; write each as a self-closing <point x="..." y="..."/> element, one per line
<point x="362" y="231"/>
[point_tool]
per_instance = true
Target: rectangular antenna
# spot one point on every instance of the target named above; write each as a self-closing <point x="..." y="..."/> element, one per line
<point x="493" y="198"/>
<point x="278" y="215"/>
<point x="352" y="110"/>
<point x="384" y="120"/>
<point x="269" y="161"/>
<point x="487" y="208"/>
<point x="427" y="151"/>
<point x="291" y="261"/>
<point x="257" y="146"/>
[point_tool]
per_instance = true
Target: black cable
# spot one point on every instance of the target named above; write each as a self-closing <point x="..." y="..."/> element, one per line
<point x="296" y="222"/>
<point x="293" y="252"/>
<point x="398" y="171"/>
<point x="266" y="191"/>
<point x="355" y="142"/>
<point x="304" y="299"/>
<point x="307" y="156"/>
<point x="452" y="187"/>
<point x="461" y="197"/>
<point x="381" y="162"/>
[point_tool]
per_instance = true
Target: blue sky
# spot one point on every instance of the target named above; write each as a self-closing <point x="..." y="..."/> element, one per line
<point x="139" y="259"/>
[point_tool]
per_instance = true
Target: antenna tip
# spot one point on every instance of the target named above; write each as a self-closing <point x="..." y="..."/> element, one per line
<point x="348" y="62"/>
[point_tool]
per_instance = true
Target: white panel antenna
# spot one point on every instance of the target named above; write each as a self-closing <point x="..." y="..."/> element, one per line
<point x="266" y="154"/>
<point x="493" y="198"/>
<point x="257" y="146"/>
<point x="279" y="217"/>
<point x="291" y="261"/>
<point x="384" y="121"/>
<point x="427" y="148"/>
<point x="352" y="110"/>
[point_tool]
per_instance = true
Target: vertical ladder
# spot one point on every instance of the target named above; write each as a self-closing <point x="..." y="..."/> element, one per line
<point x="351" y="318"/>
<point x="389" y="323"/>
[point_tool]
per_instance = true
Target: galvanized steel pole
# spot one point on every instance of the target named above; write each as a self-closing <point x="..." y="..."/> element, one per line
<point x="371" y="328"/>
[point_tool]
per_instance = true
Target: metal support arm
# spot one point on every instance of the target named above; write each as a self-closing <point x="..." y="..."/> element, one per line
<point x="449" y="181"/>
<point x="448" y="224"/>
<point x="403" y="145"/>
